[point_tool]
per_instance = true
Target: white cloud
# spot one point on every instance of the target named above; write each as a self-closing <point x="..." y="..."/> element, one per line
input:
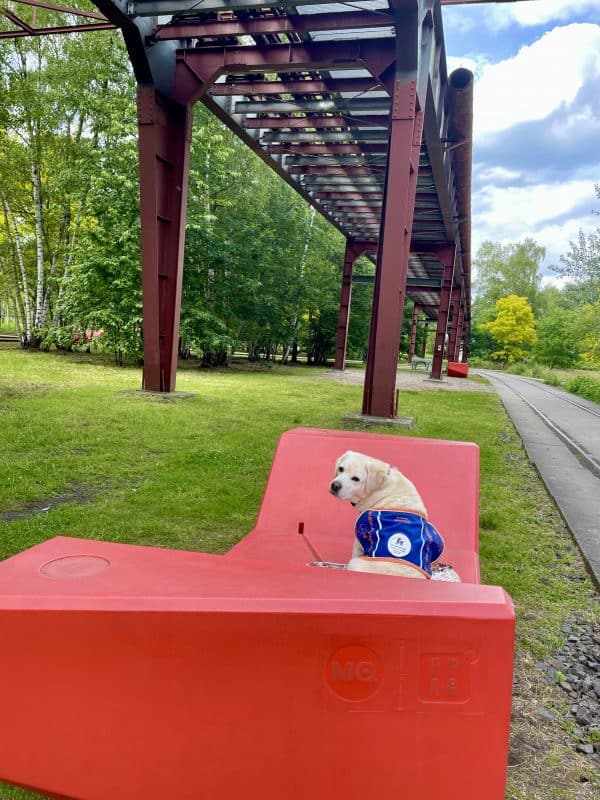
<point x="538" y="80"/>
<point x="509" y="214"/>
<point x="474" y="63"/>
<point x="540" y="12"/>
<point x="497" y="174"/>
<point x="554" y="280"/>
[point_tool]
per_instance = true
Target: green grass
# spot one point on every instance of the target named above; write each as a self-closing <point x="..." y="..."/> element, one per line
<point x="111" y="463"/>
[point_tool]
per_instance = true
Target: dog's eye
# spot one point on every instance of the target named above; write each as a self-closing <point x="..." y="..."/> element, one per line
<point x="340" y="469"/>
<point x="354" y="478"/>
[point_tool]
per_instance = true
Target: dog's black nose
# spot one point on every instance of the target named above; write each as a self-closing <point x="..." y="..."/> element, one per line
<point x="335" y="487"/>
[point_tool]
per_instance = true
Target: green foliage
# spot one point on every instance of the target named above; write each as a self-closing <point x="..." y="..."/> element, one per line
<point x="590" y="328"/>
<point x="205" y="335"/>
<point x="584" y="386"/>
<point x="558" y="338"/>
<point x="508" y="269"/>
<point x="582" y="262"/>
<point x="62" y="101"/>
<point x="56" y="336"/>
<point x="513" y="328"/>
<point x="482" y="342"/>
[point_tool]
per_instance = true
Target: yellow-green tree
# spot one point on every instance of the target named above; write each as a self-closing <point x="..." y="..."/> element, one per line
<point x="513" y="328"/>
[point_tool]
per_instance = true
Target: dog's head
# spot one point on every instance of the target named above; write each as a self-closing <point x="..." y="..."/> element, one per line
<point x="357" y="476"/>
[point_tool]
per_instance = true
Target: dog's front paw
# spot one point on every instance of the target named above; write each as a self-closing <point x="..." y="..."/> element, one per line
<point x="445" y="573"/>
<point x="381" y="566"/>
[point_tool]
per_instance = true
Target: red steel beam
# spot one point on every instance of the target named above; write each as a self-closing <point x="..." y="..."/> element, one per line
<point x="324" y="86"/>
<point x="197" y="70"/>
<point x="27" y="29"/>
<point x="316" y="122"/>
<point x="164" y="145"/>
<point x="301" y="23"/>
<point x="413" y="331"/>
<point x="20" y="22"/>
<point x="459" y="335"/>
<point x="456" y="301"/>
<point x="374" y="195"/>
<point x="100" y="26"/>
<point x="405" y="134"/>
<point x="327" y="149"/>
<point x="442" y="322"/>
<point x="373" y="171"/>
<point x="353" y="251"/>
<point x="65" y="9"/>
<point x="354" y="209"/>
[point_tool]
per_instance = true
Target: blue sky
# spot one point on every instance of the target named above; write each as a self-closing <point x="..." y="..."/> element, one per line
<point x="536" y="139"/>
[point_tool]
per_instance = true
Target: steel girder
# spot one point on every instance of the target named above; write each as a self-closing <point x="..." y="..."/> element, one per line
<point x="330" y="114"/>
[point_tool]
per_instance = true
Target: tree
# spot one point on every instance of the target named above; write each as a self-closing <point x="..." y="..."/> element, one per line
<point x="52" y="130"/>
<point x="513" y="328"/>
<point x="590" y="324"/>
<point x="582" y="262"/>
<point x="558" y="338"/>
<point x="508" y="269"/>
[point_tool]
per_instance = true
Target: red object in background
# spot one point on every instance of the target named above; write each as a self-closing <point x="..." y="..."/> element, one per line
<point x="137" y="672"/>
<point x="457" y="369"/>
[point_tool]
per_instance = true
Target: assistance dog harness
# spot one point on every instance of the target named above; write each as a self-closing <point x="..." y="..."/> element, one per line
<point x="397" y="535"/>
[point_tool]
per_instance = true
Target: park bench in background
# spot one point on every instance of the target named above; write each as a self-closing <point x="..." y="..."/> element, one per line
<point x="138" y="672"/>
<point x="426" y="362"/>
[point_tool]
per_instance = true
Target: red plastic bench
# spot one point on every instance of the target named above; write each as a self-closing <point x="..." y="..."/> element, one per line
<point x="446" y="474"/>
<point x="457" y="369"/>
<point x="137" y="673"/>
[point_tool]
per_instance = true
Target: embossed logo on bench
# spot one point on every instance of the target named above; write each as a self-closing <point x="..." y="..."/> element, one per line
<point x="446" y="677"/>
<point x="354" y="673"/>
<point x="79" y="566"/>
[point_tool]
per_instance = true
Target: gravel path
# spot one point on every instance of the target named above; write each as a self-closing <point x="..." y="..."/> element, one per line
<point x="576" y="669"/>
<point x="414" y="380"/>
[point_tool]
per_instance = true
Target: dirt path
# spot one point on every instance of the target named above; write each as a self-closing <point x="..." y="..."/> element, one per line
<point x="414" y="380"/>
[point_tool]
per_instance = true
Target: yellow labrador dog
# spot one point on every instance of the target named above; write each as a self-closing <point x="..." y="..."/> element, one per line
<point x="393" y="535"/>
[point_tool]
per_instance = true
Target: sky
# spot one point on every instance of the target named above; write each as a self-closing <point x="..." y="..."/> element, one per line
<point x="536" y="119"/>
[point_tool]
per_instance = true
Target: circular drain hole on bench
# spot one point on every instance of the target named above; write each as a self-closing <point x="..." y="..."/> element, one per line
<point x="74" y="567"/>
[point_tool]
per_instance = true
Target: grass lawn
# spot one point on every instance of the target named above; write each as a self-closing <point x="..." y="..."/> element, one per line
<point x="83" y="453"/>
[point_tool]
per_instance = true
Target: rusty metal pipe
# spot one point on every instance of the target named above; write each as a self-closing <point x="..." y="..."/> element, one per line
<point x="460" y="133"/>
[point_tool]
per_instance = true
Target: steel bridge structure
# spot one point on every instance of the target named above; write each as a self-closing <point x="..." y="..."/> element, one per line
<point x="351" y="104"/>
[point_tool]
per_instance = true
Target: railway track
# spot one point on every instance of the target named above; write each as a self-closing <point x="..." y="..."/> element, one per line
<point x="587" y="459"/>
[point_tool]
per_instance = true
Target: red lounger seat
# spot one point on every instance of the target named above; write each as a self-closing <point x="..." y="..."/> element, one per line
<point x="445" y="473"/>
<point x="138" y="673"/>
<point x="457" y="369"/>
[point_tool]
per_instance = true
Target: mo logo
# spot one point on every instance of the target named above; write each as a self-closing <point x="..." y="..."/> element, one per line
<point x="354" y="673"/>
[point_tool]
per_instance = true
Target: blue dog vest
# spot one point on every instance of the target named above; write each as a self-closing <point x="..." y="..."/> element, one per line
<point x="399" y="535"/>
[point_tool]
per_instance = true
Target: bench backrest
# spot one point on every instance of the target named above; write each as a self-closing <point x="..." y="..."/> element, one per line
<point x="446" y="474"/>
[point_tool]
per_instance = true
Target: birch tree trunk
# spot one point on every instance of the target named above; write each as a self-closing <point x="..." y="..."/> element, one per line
<point x="21" y="287"/>
<point x="36" y="183"/>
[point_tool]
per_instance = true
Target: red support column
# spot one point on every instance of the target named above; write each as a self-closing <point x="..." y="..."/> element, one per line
<point x="459" y="335"/>
<point x="466" y="340"/>
<point x="405" y="131"/>
<point x="164" y="146"/>
<point x="353" y="251"/>
<point x="447" y="259"/>
<point x="413" y="332"/>
<point x="454" y="324"/>
<point x="424" y="342"/>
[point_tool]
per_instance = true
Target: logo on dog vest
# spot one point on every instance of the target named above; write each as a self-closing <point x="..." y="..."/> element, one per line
<point x="354" y="673"/>
<point x="399" y="545"/>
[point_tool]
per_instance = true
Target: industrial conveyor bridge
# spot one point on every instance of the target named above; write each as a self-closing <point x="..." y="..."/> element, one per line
<point x="352" y="105"/>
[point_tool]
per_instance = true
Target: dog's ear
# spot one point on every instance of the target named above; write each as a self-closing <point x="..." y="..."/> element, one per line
<point x="377" y="473"/>
<point x="340" y="459"/>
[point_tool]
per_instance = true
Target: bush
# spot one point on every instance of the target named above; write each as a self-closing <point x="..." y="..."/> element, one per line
<point x="55" y="336"/>
<point x="551" y="379"/>
<point x="584" y="386"/>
